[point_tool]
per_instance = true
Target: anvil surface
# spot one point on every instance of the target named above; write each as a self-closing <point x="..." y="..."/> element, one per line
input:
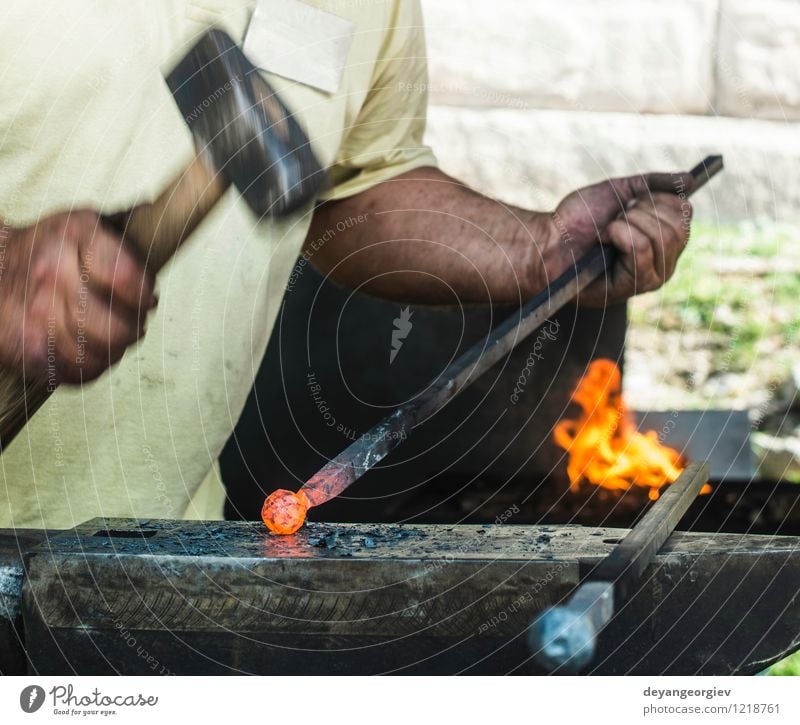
<point x="152" y="596"/>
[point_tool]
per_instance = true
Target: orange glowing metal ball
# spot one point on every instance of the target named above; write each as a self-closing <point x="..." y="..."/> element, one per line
<point x="284" y="512"/>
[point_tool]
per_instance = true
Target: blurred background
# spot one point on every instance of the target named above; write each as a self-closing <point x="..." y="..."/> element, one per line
<point x="531" y="100"/>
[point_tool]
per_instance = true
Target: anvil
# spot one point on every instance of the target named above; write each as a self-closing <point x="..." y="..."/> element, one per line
<point x="189" y="597"/>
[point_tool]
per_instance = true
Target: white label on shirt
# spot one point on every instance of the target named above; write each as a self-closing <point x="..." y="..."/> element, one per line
<point x="299" y="42"/>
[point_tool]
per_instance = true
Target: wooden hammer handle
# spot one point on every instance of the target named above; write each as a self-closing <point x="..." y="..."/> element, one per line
<point x="155" y="230"/>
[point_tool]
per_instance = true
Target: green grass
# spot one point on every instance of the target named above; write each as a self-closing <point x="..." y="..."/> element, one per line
<point x="788" y="667"/>
<point x="744" y="316"/>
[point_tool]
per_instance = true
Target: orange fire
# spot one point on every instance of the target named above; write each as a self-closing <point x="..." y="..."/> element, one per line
<point x="603" y="445"/>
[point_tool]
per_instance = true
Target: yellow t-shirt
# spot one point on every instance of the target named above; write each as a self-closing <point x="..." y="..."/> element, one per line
<point x="87" y="121"/>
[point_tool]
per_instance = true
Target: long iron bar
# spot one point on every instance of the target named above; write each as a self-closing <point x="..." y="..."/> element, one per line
<point x="565" y="637"/>
<point x="374" y="445"/>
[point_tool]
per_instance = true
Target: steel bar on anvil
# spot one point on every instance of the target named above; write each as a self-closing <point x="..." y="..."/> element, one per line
<point x="374" y="445"/>
<point x="215" y="597"/>
<point x="564" y="637"/>
<point x="625" y="565"/>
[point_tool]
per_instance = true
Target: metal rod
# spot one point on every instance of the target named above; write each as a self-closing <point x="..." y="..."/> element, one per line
<point x="565" y="637"/>
<point x="374" y="445"/>
<point x="709" y="167"/>
<point x="626" y="563"/>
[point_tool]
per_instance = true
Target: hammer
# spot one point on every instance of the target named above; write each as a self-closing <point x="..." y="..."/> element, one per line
<point x="243" y="135"/>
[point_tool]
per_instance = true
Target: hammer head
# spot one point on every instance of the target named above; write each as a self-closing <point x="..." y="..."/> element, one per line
<point x="242" y="129"/>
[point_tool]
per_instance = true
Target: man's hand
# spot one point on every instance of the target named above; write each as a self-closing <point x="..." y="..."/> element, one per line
<point x="426" y="238"/>
<point x="646" y="218"/>
<point x="72" y="298"/>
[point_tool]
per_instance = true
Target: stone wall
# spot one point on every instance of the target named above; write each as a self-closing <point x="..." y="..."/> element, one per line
<point x="530" y="99"/>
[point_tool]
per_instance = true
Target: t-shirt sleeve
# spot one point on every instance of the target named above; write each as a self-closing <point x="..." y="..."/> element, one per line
<point x="386" y="138"/>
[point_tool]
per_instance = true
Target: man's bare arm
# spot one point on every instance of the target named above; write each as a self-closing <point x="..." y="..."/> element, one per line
<point x="425" y="237"/>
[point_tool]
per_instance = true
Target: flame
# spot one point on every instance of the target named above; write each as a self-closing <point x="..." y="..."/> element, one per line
<point x="603" y="445"/>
